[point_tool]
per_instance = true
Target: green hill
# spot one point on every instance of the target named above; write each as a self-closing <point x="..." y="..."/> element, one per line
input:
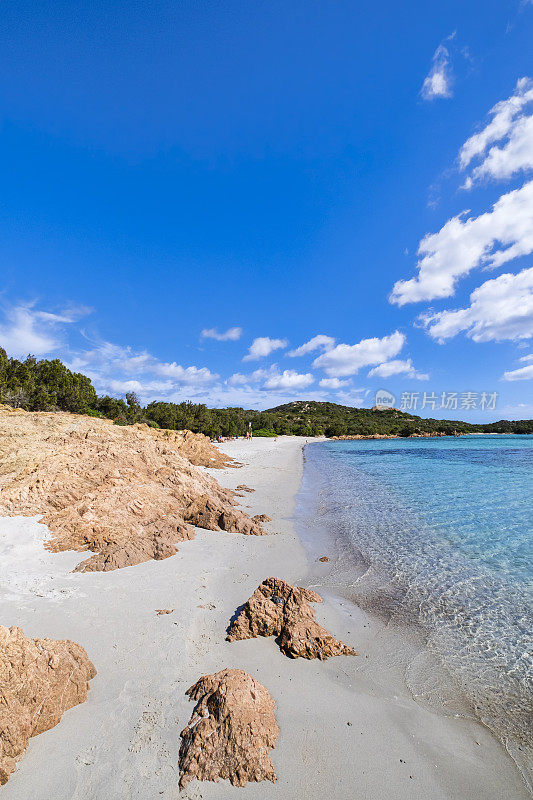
<point x="336" y="420"/>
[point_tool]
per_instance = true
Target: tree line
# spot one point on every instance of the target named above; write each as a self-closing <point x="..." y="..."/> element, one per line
<point x="50" y="386"/>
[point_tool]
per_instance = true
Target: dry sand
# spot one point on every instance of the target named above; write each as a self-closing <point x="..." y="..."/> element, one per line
<point x="123" y="742"/>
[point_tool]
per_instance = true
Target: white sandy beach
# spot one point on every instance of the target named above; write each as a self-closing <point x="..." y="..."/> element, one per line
<point x="124" y="741"/>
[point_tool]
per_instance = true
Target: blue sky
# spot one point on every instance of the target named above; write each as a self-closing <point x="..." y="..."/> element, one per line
<point x="268" y="173"/>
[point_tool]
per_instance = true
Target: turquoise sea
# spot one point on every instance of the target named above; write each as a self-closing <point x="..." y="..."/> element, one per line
<point x="437" y="534"/>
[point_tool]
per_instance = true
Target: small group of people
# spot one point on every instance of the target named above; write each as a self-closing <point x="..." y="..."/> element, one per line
<point x="247" y="435"/>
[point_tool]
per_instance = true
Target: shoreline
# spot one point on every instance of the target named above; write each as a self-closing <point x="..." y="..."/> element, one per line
<point x="123" y="741"/>
<point x="389" y="628"/>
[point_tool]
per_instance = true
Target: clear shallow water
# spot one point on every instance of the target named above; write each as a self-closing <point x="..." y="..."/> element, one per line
<point x="438" y="532"/>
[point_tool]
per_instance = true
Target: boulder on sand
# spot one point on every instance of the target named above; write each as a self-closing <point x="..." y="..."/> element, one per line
<point x="39" y="680"/>
<point x="278" y="609"/>
<point x="230" y="731"/>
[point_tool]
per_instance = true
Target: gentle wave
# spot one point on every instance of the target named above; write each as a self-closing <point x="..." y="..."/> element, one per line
<point x="438" y="533"/>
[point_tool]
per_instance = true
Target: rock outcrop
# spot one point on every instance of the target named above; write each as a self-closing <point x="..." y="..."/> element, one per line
<point x="414" y="435"/>
<point x="206" y="511"/>
<point x="230" y="732"/>
<point x="195" y="447"/>
<point x="127" y="494"/>
<point x="39" y="680"/>
<point x="262" y="518"/>
<point x="278" y="609"/>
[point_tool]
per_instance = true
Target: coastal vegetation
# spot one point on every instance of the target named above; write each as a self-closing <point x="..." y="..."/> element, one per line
<point x="50" y="386"/>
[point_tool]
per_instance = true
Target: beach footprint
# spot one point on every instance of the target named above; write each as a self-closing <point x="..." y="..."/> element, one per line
<point x="145" y="730"/>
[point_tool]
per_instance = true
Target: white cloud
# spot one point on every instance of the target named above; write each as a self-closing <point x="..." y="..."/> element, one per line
<point x="351" y="398"/>
<point x="516" y="411"/>
<point x="190" y="375"/>
<point x="490" y="240"/>
<point x="231" y="335"/>
<point x="136" y="363"/>
<point x="289" y="379"/>
<point x="142" y="388"/>
<point x="263" y="346"/>
<point x="272" y="379"/>
<point x="27" y="330"/>
<point x="115" y="369"/>
<point x="316" y="343"/>
<point x="438" y="82"/>
<point x="521" y="374"/>
<point x="345" y="359"/>
<point x="501" y="308"/>
<point x="397" y="367"/>
<point x="508" y="123"/>
<point x="108" y="357"/>
<point x="333" y="383"/>
<point x="238" y="379"/>
<point x="515" y="156"/>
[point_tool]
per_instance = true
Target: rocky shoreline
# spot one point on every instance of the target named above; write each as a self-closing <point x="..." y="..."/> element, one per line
<point x="420" y="435"/>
